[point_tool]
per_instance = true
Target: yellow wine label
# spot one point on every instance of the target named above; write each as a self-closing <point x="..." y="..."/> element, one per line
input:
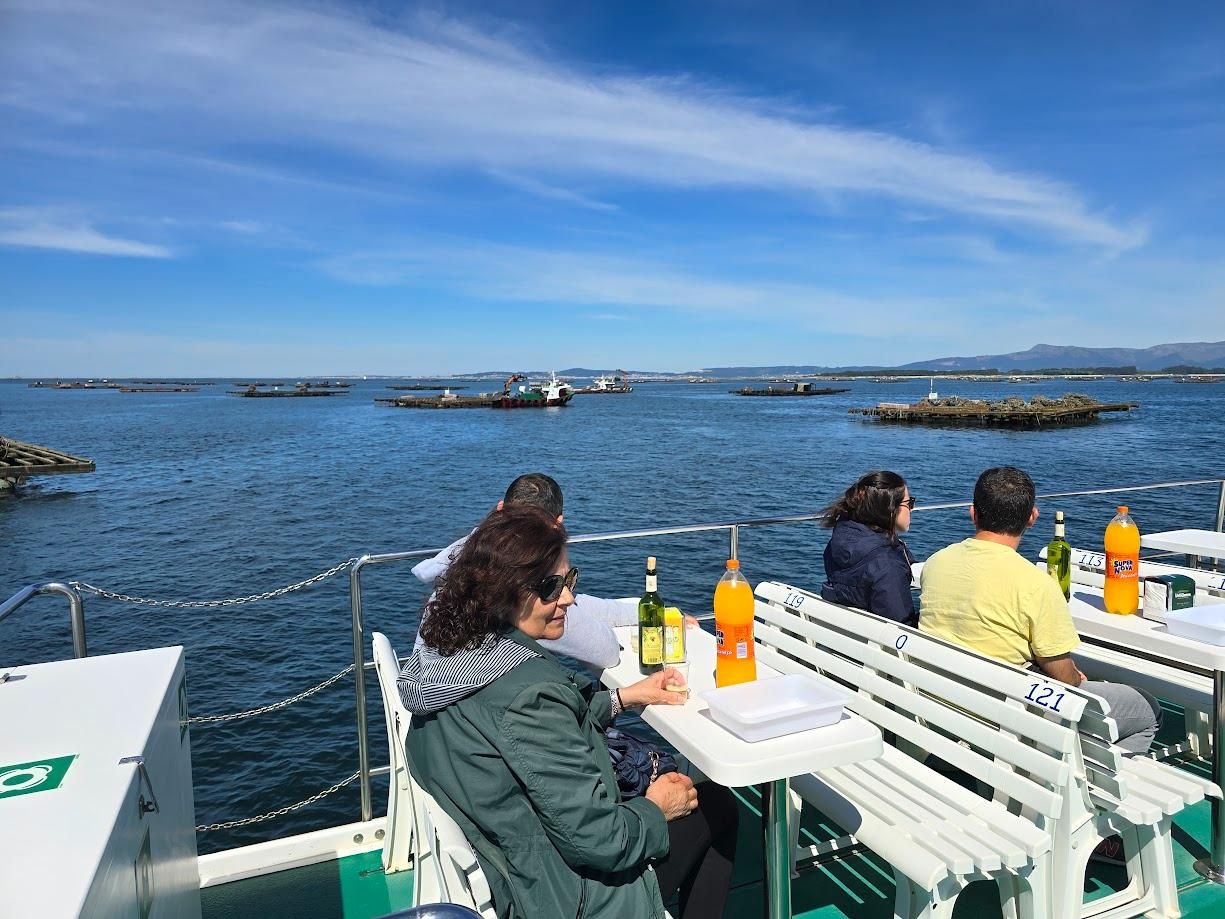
<point x="651" y="645"/>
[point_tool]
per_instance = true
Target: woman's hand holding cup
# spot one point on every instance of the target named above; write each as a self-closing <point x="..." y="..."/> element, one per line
<point x="654" y="689"/>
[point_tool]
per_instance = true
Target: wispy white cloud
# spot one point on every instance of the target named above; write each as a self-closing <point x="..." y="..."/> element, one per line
<point x="52" y="228"/>
<point x="432" y="92"/>
<point x="964" y="247"/>
<point x="517" y="274"/>
<point x="543" y="190"/>
<point x="969" y="295"/>
<point x="243" y="227"/>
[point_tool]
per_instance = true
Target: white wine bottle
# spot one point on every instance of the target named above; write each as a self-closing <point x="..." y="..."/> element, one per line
<point x="1059" y="558"/>
<point x="651" y="625"/>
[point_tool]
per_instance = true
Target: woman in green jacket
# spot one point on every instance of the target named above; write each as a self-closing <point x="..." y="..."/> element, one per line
<point x="511" y="745"/>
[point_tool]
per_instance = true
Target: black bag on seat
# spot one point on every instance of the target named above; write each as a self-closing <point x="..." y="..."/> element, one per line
<point x="636" y="762"/>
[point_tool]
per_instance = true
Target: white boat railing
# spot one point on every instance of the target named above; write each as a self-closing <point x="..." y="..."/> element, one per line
<point x="732" y="528"/>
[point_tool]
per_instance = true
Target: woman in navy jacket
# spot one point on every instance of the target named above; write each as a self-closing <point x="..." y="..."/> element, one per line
<point x="866" y="565"/>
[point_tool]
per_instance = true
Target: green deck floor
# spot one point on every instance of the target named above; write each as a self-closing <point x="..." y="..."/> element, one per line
<point x="859" y="886"/>
<point x="348" y="888"/>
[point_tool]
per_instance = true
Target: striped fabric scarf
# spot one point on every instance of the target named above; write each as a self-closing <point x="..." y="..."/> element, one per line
<point x="431" y="681"/>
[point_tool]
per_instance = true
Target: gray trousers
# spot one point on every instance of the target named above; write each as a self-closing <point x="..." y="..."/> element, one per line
<point x="1136" y="712"/>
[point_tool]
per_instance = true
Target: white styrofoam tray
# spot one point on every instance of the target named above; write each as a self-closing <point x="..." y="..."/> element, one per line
<point x="1203" y="622"/>
<point x="772" y="707"/>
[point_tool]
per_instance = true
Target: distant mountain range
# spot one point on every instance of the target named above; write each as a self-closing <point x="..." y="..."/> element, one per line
<point x="1198" y="353"/>
<point x="1039" y="357"/>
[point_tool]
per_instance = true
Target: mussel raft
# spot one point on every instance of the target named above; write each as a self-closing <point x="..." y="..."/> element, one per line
<point x="19" y="460"/>
<point x="1014" y="411"/>
<point x="797" y="389"/>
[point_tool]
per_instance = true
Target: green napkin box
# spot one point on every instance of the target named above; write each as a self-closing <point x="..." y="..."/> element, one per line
<point x="1167" y="591"/>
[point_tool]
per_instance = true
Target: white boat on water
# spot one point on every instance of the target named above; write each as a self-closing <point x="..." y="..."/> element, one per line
<point x="547" y="393"/>
<point x="552" y="390"/>
<point x="610" y="384"/>
<point x="97" y="803"/>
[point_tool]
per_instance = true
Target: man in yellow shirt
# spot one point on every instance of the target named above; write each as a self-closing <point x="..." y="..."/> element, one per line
<point x="982" y="594"/>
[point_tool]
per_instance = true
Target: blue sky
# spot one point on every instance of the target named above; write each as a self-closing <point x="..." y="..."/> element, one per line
<point x="322" y="188"/>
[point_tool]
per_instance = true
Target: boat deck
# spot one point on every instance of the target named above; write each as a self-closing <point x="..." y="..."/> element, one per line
<point x="858" y="886"/>
<point x="353" y="887"/>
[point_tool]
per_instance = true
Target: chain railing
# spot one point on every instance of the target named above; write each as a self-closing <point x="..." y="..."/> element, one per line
<point x="280" y="811"/>
<point x="274" y="706"/>
<point x="83" y="587"/>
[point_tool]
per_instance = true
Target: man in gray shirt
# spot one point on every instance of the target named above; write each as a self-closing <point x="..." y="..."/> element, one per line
<point x="590" y="621"/>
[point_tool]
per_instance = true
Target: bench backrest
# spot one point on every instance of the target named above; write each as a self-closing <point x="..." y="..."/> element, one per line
<point x="1035" y="741"/>
<point x="1087" y="561"/>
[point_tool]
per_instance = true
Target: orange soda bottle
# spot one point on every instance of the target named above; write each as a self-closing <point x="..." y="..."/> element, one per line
<point x="1122" y="564"/>
<point x="735" y="661"/>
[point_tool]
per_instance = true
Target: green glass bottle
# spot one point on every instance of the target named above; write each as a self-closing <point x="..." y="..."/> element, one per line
<point x="1059" y="558"/>
<point x="651" y="625"/>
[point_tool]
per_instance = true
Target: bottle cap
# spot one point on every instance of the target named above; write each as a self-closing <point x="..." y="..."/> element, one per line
<point x="733" y="564"/>
<point x="1122" y="508"/>
<point x="1059" y="516"/>
<point x="650" y="561"/>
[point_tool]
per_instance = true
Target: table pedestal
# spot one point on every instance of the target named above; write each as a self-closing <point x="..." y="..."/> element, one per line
<point x="1213" y="867"/>
<point x="776" y="844"/>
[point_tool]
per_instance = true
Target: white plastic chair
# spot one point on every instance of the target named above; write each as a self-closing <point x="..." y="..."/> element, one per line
<point x="462" y="880"/>
<point x="446" y="869"/>
<point x="398" y="841"/>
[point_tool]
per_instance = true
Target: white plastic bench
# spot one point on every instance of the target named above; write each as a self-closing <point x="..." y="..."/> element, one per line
<point x="1192" y="691"/>
<point x="1135" y="798"/>
<point x="937" y="835"/>
<point x="1023" y="736"/>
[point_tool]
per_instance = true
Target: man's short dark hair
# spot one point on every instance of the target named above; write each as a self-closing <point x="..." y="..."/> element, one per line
<point x="1004" y="500"/>
<point x="535" y="489"/>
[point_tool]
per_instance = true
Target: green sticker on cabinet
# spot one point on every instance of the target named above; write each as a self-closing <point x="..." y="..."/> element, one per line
<point x="39" y="775"/>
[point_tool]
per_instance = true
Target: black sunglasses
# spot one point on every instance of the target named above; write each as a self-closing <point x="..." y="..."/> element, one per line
<point x="909" y="503"/>
<point x="550" y="588"/>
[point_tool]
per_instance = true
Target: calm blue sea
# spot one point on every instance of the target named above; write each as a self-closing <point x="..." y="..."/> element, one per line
<point x="202" y="495"/>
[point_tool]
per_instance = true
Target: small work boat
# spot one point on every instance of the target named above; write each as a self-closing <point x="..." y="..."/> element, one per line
<point x="612" y="385"/>
<point x="553" y="392"/>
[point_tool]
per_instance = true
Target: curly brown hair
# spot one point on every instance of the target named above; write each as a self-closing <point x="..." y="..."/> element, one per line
<point x="485" y="585"/>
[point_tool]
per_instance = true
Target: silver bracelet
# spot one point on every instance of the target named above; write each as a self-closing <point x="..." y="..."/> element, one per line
<point x="614" y="696"/>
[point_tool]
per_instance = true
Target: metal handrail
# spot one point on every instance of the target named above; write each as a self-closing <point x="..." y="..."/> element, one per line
<point x="733" y="531"/>
<point x="76" y="609"/>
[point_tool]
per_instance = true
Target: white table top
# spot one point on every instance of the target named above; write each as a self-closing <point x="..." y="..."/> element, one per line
<point x="723" y="756"/>
<point x="1092" y="621"/>
<point x="1190" y="542"/>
